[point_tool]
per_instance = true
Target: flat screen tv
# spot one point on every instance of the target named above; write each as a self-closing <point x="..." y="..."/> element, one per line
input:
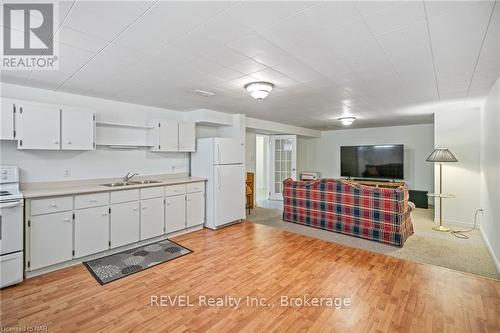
<point x="375" y="161"/>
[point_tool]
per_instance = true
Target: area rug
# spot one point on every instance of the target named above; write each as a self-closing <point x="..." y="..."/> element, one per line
<point x="122" y="264"/>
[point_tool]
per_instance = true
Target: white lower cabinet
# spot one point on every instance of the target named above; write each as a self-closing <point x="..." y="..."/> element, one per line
<point x="175" y="213"/>
<point x="125" y="223"/>
<point x="64" y="228"/>
<point x="152" y="218"/>
<point x="91" y="231"/>
<point x="195" y="209"/>
<point x="51" y="239"/>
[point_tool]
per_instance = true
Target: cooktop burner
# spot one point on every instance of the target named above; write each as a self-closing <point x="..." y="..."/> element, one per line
<point x="2" y="193"/>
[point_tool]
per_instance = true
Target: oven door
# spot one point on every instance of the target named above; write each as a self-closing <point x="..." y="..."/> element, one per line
<point x="11" y="227"/>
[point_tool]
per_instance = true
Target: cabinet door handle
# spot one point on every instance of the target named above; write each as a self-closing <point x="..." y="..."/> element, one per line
<point x="67" y="220"/>
<point x="134" y="209"/>
<point x="168" y="203"/>
<point x="104" y="214"/>
<point x="56" y="142"/>
<point x="144" y="207"/>
<point x="53" y="205"/>
<point x="93" y="200"/>
<point x="69" y="142"/>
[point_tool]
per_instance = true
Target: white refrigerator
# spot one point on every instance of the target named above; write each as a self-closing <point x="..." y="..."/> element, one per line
<point x="222" y="162"/>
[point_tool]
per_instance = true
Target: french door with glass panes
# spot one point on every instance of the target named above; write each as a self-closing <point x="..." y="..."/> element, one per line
<point x="283" y="163"/>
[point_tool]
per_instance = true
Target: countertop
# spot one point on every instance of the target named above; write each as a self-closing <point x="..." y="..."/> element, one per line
<point x="50" y="189"/>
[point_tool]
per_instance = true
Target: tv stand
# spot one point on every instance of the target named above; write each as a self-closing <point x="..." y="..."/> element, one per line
<point x="378" y="183"/>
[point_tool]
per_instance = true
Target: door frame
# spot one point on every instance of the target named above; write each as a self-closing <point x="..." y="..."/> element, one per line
<point x="272" y="141"/>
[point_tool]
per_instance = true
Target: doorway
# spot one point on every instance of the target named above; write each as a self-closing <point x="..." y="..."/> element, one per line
<point x="276" y="160"/>
<point x="283" y="163"/>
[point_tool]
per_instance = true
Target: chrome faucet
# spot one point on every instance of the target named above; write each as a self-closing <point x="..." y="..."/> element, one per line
<point x="129" y="176"/>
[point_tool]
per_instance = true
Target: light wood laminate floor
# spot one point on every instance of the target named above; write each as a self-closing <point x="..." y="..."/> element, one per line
<point x="387" y="294"/>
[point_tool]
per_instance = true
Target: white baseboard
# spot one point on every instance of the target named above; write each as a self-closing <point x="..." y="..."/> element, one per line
<point x="490" y="249"/>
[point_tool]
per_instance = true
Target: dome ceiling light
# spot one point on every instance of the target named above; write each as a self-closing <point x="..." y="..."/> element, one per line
<point x="259" y="90"/>
<point x="347" y="121"/>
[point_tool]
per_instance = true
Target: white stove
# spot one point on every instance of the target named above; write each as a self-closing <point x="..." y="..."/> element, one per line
<point x="11" y="227"/>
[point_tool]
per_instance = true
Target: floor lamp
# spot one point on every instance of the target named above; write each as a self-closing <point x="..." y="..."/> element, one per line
<point x="441" y="155"/>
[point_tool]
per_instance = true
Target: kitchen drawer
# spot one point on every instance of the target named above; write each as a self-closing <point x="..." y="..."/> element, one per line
<point x="91" y="200"/>
<point x="51" y="205"/>
<point x="124" y="196"/>
<point x="175" y="189"/>
<point x="195" y="187"/>
<point x="152" y="192"/>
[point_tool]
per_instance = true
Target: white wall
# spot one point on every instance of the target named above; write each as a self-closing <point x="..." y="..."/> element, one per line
<point x="458" y="130"/>
<point x="279" y="128"/>
<point x="100" y="163"/>
<point x="490" y="172"/>
<point x="251" y="150"/>
<point x="323" y="154"/>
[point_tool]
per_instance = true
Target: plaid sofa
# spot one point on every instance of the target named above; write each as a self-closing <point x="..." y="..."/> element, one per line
<point x="379" y="214"/>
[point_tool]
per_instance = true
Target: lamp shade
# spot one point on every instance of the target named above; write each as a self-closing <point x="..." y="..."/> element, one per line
<point x="441" y="155"/>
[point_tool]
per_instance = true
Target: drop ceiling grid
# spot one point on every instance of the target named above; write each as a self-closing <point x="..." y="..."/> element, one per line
<point x="360" y="62"/>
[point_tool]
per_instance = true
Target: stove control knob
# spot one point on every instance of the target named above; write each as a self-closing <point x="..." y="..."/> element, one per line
<point x="4" y="176"/>
<point x="4" y="172"/>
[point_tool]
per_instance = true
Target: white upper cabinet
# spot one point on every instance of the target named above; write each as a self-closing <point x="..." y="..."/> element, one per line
<point x="7" y="118"/>
<point x="187" y="136"/>
<point x="46" y="126"/>
<point x="77" y="129"/>
<point x="172" y="136"/>
<point x="39" y="126"/>
<point x="165" y="136"/>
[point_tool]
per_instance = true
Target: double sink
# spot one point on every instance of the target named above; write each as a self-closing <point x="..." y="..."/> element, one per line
<point x="128" y="183"/>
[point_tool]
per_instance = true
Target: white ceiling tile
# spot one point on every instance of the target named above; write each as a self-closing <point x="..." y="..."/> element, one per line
<point x="247" y="66"/>
<point x="168" y="21"/>
<point x="217" y="29"/>
<point x="71" y="58"/>
<point x="371" y="7"/>
<point x="273" y="58"/>
<point x="259" y="14"/>
<point x="197" y="43"/>
<point x="170" y="54"/>
<point x="105" y="19"/>
<point x="212" y="69"/>
<point x="411" y="39"/>
<point x="123" y="53"/>
<point x="47" y="79"/>
<point x="396" y="16"/>
<point x="278" y="79"/>
<point x="298" y="71"/>
<point x="224" y="56"/>
<point x="80" y="40"/>
<point x="443" y="8"/>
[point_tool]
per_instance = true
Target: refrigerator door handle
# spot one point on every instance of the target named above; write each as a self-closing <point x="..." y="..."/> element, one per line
<point x="218" y="178"/>
<point x="218" y="154"/>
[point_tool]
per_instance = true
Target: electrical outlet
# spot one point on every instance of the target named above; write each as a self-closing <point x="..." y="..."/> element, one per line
<point x="67" y="173"/>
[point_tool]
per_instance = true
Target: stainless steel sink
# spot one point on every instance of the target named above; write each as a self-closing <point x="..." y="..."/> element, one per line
<point x="147" y="181"/>
<point x="118" y="184"/>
